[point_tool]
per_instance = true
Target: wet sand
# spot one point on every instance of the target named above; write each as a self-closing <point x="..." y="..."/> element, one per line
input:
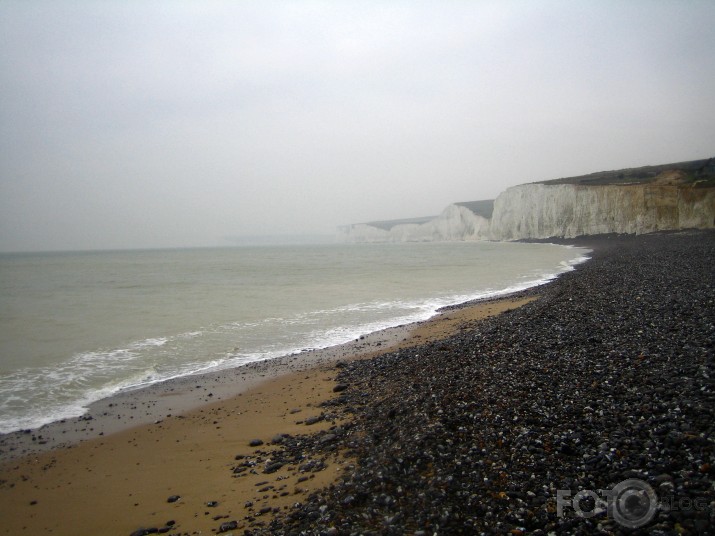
<point x="113" y="470"/>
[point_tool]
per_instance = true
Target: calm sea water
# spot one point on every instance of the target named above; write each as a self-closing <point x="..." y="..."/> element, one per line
<point x="77" y="327"/>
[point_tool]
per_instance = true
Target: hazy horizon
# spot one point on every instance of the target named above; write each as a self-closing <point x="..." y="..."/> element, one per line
<point x="130" y="125"/>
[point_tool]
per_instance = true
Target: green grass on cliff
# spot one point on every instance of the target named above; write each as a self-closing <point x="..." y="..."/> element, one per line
<point x="699" y="173"/>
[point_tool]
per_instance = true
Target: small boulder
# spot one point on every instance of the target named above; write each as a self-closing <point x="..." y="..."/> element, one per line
<point x="229" y="525"/>
<point x="327" y="438"/>
<point x="273" y="467"/>
<point x="313" y="420"/>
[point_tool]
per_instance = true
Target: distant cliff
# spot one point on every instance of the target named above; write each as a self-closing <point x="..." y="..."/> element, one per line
<point x="629" y="201"/>
<point x="456" y="222"/>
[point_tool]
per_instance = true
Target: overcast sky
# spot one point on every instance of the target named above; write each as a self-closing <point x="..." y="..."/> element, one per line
<point x="165" y="123"/>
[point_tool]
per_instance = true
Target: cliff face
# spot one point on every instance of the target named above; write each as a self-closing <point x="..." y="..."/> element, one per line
<point x="558" y="210"/>
<point x="569" y="210"/>
<point x="455" y="223"/>
<point x="627" y="201"/>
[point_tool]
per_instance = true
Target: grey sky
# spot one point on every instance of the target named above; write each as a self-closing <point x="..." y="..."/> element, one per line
<point x="160" y="124"/>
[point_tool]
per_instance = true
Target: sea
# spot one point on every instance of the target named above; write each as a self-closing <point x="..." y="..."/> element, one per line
<point x="76" y="327"/>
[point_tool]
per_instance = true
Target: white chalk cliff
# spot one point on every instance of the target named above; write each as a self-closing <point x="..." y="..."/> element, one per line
<point x="634" y="201"/>
<point x="569" y="210"/>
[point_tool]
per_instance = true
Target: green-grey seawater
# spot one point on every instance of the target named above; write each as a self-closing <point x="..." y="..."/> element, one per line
<point x="77" y="327"/>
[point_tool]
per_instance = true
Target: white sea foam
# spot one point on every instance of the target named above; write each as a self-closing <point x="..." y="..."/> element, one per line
<point x="157" y="341"/>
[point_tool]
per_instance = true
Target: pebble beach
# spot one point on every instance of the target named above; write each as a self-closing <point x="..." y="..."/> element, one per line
<point x="475" y="422"/>
<point x="608" y="376"/>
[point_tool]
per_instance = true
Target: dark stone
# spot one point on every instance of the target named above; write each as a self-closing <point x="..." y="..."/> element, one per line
<point x="313" y="420"/>
<point x="327" y="438"/>
<point x="228" y="525"/>
<point x="273" y="467"/>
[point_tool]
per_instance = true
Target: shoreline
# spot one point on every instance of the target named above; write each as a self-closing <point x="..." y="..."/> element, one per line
<point x="150" y="433"/>
<point x="147" y="404"/>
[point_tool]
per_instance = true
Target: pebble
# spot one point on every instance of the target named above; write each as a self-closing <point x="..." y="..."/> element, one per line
<point x="228" y="525"/>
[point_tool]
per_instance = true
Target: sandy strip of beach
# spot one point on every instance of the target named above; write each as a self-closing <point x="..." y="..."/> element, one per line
<point x="177" y="457"/>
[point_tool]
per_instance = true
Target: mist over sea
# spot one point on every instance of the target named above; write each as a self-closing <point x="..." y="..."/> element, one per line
<point x="77" y="327"/>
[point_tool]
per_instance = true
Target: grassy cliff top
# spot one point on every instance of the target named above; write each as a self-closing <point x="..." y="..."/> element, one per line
<point x="699" y="173"/>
